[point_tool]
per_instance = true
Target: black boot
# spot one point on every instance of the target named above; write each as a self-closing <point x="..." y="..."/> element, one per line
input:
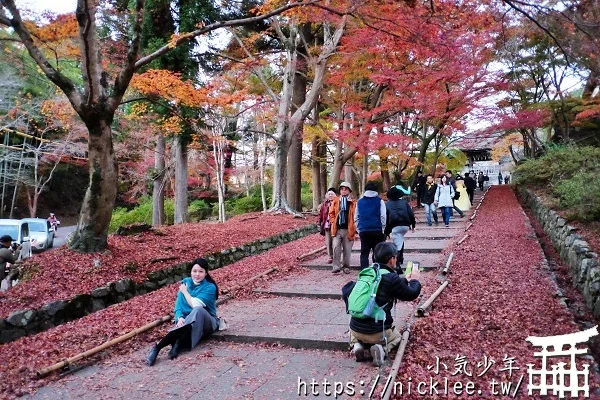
<point x="174" y="352"/>
<point x="399" y="262"/>
<point x="151" y="359"/>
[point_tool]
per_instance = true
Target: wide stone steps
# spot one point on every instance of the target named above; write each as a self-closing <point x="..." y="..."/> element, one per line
<point x="426" y="260"/>
<point x="305" y="309"/>
<point x="301" y="323"/>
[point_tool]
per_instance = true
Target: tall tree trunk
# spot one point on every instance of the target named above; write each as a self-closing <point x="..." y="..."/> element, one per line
<point x="181" y="175"/>
<point x="365" y="170"/>
<point x="294" y="171"/>
<point x="158" y="189"/>
<point x="336" y="170"/>
<point x="287" y="125"/>
<point x="279" y="200"/>
<point x="323" y="174"/>
<point x="384" y="166"/>
<point x="316" y="172"/>
<point x="99" y="200"/>
<point x="349" y="173"/>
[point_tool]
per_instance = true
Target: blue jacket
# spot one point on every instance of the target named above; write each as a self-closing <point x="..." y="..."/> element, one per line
<point x="370" y="215"/>
<point x="205" y="291"/>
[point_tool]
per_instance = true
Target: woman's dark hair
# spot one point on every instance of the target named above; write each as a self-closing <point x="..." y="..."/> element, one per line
<point x="332" y="189"/>
<point x="384" y="251"/>
<point x="204" y="265"/>
<point x="394" y="193"/>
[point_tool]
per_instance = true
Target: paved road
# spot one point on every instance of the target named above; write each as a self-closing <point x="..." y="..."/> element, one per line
<point x="62" y="234"/>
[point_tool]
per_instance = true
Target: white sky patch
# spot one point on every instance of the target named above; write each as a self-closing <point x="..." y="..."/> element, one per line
<point x="56" y="6"/>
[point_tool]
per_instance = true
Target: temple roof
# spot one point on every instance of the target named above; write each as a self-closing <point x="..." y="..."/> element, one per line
<point x="475" y="143"/>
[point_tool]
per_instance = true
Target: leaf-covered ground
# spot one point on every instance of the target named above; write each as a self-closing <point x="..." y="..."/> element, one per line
<point x="61" y="274"/>
<point x="19" y="360"/>
<point x="499" y="294"/>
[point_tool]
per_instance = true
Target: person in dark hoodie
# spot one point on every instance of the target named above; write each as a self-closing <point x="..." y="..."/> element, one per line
<point x="471" y="185"/>
<point x="381" y="336"/>
<point x="428" y="199"/>
<point x="369" y="219"/>
<point x="400" y="218"/>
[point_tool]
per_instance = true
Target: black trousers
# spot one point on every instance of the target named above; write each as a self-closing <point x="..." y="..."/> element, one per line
<point x="368" y="241"/>
<point x="471" y="193"/>
<point x="183" y="335"/>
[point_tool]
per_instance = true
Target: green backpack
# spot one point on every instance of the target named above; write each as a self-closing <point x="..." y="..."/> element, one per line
<point x="361" y="302"/>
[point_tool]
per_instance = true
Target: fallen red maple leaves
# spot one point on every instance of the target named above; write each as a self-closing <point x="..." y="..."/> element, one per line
<point x="19" y="360"/>
<point x="499" y="294"/>
<point x="62" y="273"/>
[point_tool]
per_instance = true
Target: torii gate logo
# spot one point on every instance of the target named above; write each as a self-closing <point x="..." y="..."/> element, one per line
<point x="558" y="373"/>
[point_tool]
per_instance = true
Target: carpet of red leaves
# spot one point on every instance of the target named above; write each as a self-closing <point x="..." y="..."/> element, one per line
<point x="499" y="294"/>
<point x="61" y="274"/>
<point x="19" y="360"/>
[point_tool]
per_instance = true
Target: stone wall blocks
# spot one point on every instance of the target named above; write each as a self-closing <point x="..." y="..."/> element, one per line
<point x="51" y="309"/>
<point x="100" y="292"/>
<point x="21" y="318"/>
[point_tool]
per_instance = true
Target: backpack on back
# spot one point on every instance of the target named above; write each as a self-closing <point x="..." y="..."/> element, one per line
<point x="361" y="302"/>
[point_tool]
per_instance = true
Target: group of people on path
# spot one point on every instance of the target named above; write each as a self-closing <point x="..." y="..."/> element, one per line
<point x="342" y="218"/>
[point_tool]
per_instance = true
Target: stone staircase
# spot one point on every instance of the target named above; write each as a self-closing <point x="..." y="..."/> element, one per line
<point x="305" y="310"/>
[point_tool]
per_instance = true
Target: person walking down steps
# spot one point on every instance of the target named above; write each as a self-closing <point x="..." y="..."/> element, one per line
<point x="400" y="220"/>
<point x="343" y="229"/>
<point x="369" y="219"/>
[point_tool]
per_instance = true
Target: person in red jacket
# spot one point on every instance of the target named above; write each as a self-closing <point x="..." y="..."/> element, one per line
<point x="325" y="224"/>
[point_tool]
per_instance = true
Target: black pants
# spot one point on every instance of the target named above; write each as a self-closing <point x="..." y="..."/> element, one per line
<point x="183" y="335"/>
<point x="481" y="186"/>
<point x="368" y="241"/>
<point x="471" y="193"/>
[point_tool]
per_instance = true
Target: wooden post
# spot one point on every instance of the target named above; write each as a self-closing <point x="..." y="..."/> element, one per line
<point x="236" y="287"/>
<point x="389" y="384"/>
<point x="45" y="371"/>
<point x="421" y="309"/>
<point x="445" y="270"/>
<point x="463" y="239"/>
<point x="302" y="256"/>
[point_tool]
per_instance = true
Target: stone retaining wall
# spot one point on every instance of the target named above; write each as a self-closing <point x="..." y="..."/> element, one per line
<point x="27" y="322"/>
<point x="584" y="265"/>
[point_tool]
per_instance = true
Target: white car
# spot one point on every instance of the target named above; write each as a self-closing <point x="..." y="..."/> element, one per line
<point x="19" y="231"/>
<point x="41" y="233"/>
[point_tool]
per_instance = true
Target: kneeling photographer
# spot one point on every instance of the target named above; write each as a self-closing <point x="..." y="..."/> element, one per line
<point x="9" y="253"/>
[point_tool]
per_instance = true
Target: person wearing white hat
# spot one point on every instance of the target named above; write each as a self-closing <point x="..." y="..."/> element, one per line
<point x="343" y="228"/>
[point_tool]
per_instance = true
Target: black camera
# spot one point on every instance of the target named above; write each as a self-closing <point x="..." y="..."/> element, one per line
<point x="14" y="245"/>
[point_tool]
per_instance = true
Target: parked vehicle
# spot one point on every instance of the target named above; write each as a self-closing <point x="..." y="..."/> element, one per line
<point x="19" y="231"/>
<point x="41" y="233"/>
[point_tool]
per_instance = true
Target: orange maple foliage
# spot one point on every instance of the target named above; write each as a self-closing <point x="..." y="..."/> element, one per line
<point x="60" y="35"/>
<point x="168" y="85"/>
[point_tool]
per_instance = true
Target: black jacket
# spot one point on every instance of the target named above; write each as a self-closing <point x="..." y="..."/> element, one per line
<point x="428" y="196"/>
<point x="399" y="213"/>
<point x="470" y="183"/>
<point x="390" y="288"/>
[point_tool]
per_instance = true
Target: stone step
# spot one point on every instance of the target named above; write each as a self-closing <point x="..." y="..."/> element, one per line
<point x="296" y="322"/>
<point x="416" y="245"/>
<point x="312" y="283"/>
<point x="426" y="260"/>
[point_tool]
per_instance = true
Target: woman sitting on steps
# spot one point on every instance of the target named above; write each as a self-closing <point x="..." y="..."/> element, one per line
<point x="195" y="312"/>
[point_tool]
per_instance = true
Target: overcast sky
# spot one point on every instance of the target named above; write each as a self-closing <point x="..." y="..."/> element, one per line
<point x="57" y="6"/>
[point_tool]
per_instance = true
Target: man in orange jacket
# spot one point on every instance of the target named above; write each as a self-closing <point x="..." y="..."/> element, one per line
<point x="343" y="229"/>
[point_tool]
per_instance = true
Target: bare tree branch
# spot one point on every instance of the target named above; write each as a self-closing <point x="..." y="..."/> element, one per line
<point x="217" y="25"/>
<point x="129" y="68"/>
